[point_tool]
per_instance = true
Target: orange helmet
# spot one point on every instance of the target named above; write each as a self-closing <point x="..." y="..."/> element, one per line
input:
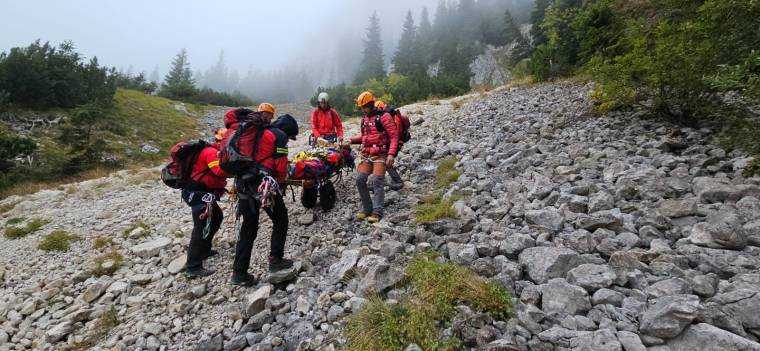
<point x="266" y="107"/>
<point x="219" y="134"/>
<point x="380" y="105"/>
<point x="364" y="99"/>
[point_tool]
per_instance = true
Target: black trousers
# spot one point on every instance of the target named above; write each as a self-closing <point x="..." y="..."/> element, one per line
<point x="250" y="208"/>
<point x="199" y="246"/>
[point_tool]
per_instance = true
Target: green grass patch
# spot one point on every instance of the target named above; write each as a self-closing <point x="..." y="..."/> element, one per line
<point x="151" y="118"/>
<point x="15" y="220"/>
<point x="101" y="242"/>
<point x="433" y="208"/>
<point x="435" y="289"/>
<point x="15" y="232"/>
<point x="446" y="173"/>
<point x="103" y="326"/>
<point x="753" y="168"/>
<point x="107" y="264"/>
<point x="58" y="240"/>
<point x="5" y="208"/>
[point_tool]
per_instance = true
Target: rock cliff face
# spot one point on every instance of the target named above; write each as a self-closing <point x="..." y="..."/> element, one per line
<point x="612" y="233"/>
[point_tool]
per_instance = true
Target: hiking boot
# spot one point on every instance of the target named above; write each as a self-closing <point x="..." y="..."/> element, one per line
<point x="396" y="186"/>
<point x="243" y="280"/>
<point x="361" y="216"/>
<point x="197" y="273"/>
<point x="210" y="254"/>
<point x="374" y="218"/>
<point x="278" y="264"/>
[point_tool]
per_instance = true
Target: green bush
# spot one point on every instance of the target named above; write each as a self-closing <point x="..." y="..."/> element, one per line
<point x="58" y="240"/>
<point x="446" y="173"/>
<point x="435" y="289"/>
<point x="42" y="76"/>
<point x="35" y="224"/>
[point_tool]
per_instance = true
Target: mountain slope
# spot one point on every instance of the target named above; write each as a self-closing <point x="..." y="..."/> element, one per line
<point x="610" y="232"/>
<point x="138" y="130"/>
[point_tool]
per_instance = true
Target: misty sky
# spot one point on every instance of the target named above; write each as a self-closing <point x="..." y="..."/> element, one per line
<point x="259" y="34"/>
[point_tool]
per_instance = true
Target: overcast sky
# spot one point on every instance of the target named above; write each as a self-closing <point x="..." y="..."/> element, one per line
<point x="141" y="33"/>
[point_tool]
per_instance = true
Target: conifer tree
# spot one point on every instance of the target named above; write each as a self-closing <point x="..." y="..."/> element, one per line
<point x="407" y="60"/>
<point x="372" y="65"/>
<point x="179" y="82"/>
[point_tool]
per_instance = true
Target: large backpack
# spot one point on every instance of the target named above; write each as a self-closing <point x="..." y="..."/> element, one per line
<point x="237" y="155"/>
<point x="178" y="173"/>
<point x="402" y="122"/>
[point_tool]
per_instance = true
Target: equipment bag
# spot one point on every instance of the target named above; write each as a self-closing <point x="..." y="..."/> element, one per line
<point x="403" y="123"/>
<point x="177" y="173"/>
<point x="237" y="155"/>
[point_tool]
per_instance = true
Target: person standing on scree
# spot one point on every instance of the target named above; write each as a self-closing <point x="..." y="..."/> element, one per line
<point x="325" y="121"/>
<point x="379" y="145"/>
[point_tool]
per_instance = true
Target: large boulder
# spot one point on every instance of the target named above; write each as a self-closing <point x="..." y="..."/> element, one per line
<point x="549" y="218"/>
<point x="543" y="263"/>
<point x="707" y="337"/>
<point x="667" y="316"/>
<point x="677" y="208"/>
<point x="711" y="190"/>
<point x="341" y="270"/>
<point x="722" y="230"/>
<point x="592" y="277"/>
<point x="150" y="248"/>
<point x="464" y="254"/>
<point x="559" y="296"/>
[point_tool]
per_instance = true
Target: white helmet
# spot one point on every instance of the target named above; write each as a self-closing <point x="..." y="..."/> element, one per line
<point x="323" y="97"/>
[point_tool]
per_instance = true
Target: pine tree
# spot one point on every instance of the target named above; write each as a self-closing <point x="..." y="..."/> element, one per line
<point x="425" y="38"/>
<point x="536" y="18"/>
<point x="179" y="82"/>
<point x="407" y="60"/>
<point x="372" y="65"/>
<point x="511" y="30"/>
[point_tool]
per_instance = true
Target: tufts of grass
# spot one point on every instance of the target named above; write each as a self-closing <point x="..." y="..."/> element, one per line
<point x="435" y="102"/>
<point x="101" y="268"/>
<point x="101" y="242"/>
<point x="5" y="208"/>
<point x="753" y="168"/>
<point x="138" y="224"/>
<point x="433" y="208"/>
<point x="14" y="232"/>
<point x="103" y="326"/>
<point x="15" y="220"/>
<point x="435" y="291"/>
<point x="446" y="173"/>
<point x="457" y="104"/>
<point x="58" y="240"/>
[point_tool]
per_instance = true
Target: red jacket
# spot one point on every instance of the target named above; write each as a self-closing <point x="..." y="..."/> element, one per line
<point x="206" y="170"/>
<point x="271" y="152"/>
<point x="378" y="142"/>
<point x="326" y="123"/>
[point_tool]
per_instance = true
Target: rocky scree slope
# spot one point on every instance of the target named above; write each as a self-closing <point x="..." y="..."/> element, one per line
<point x="614" y="233"/>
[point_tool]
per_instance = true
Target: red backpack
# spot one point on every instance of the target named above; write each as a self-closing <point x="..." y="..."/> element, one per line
<point x="237" y="155"/>
<point x="177" y="173"/>
<point x="401" y="121"/>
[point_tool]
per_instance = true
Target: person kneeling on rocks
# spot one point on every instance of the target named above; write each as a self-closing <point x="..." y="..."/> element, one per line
<point x="379" y="140"/>
<point x="270" y="155"/>
<point x="208" y="186"/>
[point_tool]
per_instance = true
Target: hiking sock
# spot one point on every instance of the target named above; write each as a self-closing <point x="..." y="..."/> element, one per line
<point x="361" y="184"/>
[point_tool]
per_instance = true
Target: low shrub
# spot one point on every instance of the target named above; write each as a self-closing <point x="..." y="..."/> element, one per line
<point x="435" y="289"/>
<point x="58" y="240"/>
<point x="114" y="259"/>
<point x="14" y="232"/>
<point x="433" y="208"/>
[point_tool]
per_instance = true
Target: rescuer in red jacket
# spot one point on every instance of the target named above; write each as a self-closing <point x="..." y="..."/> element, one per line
<point x="325" y="121"/>
<point x="209" y="182"/>
<point x="271" y="156"/>
<point x="379" y="141"/>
